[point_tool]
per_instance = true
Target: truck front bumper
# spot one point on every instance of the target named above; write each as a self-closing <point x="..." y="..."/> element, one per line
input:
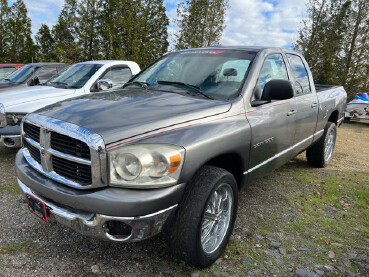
<point x="10" y="136"/>
<point x="123" y="229"/>
<point x="116" y="214"/>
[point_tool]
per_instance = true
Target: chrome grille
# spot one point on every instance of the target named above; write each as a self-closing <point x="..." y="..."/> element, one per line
<point x="32" y="131"/>
<point x="65" y="152"/>
<point x="80" y="173"/>
<point x="35" y="153"/>
<point x="70" y="145"/>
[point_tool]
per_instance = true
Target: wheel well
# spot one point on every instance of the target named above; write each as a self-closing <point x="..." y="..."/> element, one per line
<point x="231" y="162"/>
<point x="333" y="117"/>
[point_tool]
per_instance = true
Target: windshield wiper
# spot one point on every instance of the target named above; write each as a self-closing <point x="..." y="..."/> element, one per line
<point x="195" y="88"/>
<point x="59" y="83"/>
<point x="6" y="79"/>
<point x="141" y="84"/>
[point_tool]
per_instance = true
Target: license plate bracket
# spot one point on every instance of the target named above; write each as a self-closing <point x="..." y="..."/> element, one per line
<point x="37" y="207"/>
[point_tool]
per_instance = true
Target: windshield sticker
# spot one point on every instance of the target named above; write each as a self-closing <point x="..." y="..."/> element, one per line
<point x="210" y="52"/>
<point x="216" y="53"/>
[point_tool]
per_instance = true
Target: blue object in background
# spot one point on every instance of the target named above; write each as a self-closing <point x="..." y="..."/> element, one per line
<point x="363" y="96"/>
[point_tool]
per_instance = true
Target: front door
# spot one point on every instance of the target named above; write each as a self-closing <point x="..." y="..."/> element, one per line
<point x="272" y="124"/>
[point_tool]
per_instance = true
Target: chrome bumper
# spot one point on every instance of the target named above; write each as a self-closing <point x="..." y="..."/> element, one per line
<point x="97" y="225"/>
<point x="10" y="141"/>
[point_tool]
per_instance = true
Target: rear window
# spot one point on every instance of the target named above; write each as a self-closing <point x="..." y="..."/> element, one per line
<point x="6" y="71"/>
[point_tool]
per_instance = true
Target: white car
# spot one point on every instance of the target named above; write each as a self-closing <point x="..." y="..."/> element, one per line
<point x="79" y="79"/>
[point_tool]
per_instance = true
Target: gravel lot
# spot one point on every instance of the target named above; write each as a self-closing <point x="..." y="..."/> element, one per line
<point x="297" y="221"/>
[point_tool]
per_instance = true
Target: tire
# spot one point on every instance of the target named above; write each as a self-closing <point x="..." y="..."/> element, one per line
<point x="183" y="232"/>
<point x="317" y="155"/>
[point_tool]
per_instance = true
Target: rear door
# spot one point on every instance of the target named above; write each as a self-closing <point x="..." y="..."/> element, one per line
<point x="272" y="124"/>
<point x="305" y="104"/>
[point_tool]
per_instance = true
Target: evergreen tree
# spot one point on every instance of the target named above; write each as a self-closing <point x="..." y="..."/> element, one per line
<point x="88" y="20"/>
<point x="334" y="40"/>
<point x="153" y="42"/>
<point x="21" y="46"/>
<point x="45" y="43"/>
<point x="4" y="12"/>
<point x="200" y="22"/>
<point x="66" y="48"/>
<point x="134" y="30"/>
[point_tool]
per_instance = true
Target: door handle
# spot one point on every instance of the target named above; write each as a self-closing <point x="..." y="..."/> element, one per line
<point x="314" y="104"/>
<point x="291" y="112"/>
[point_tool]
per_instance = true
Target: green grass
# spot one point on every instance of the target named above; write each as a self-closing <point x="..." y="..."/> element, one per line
<point x="11" y="189"/>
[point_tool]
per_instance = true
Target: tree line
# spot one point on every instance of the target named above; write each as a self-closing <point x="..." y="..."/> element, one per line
<point x="335" y="41"/>
<point x="108" y="29"/>
<point x="334" y="37"/>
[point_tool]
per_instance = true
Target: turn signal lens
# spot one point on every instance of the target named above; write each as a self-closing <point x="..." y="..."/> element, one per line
<point x="175" y="162"/>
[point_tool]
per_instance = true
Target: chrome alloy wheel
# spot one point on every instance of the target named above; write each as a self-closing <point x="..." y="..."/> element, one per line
<point x="329" y="146"/>
<point x="217" y="218"/>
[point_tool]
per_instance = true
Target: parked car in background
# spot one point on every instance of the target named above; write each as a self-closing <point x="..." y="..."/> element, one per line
<point x="171" y="150"/>
<point x="358" y="108"/>
<point x="8" y="68"/>
<point x="30" y="75"/>
<point x="79" y="79"/>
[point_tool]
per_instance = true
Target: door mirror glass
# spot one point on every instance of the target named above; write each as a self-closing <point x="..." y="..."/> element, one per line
<point x="277" y="90"/>
<point x="104" y="84"/>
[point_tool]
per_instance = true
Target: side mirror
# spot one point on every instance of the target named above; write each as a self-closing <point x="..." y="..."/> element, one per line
<point x="33" y="81"/>
<point x="104" y="84"/>
<point x="277" y="90"/>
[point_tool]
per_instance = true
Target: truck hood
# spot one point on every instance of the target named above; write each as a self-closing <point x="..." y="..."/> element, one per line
<point x="130" y="112"/>
<point x="5" y="85"/>
<point x="29" y="99"/>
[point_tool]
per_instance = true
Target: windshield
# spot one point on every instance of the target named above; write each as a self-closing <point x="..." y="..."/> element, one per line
<point x="5" y="72"/>
<point x="22" y="74"/>
<point x="76" y="76"/>
<point x="52" y="79"/>
<point x="215" y="73"/>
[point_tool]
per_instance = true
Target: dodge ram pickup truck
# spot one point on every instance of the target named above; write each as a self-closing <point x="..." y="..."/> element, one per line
<point x="30" y="75"/>
<point x="171" y="150"/>
<point x="79" y="79"/>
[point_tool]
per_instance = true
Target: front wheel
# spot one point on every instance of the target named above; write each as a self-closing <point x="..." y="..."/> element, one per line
<point x="200" y="229"/>
<point x="320" y="154"/>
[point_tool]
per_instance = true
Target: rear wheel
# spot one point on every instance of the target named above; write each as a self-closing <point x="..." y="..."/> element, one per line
<point x="320" y="154"/>
<point x="200" y="229"/>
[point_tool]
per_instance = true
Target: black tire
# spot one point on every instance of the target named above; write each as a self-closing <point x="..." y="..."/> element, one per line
<point x="183" y="232"/>
<point x="315" y="155"/>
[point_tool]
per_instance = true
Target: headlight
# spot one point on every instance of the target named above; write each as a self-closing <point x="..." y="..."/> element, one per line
<point x="2" y="116"/>
<point x="14" y="118"/>
<point x="146" y="165"/>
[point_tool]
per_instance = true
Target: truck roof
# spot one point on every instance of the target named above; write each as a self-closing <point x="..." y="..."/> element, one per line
<point x="247" y="48"/>
<point x="43" y="64"/>
<point x="104" y="62"/>
<point x="16" y="65"/>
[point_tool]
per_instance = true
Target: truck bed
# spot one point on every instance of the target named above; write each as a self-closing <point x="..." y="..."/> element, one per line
<point x="320" y="88"/>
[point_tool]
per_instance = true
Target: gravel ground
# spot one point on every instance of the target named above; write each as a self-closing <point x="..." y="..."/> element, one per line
<point x="277" y="231"/>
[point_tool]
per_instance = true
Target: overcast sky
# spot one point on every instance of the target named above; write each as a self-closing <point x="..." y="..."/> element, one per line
<point x="249" y="22"/>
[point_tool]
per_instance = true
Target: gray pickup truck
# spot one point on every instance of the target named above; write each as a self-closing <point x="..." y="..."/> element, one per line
<point x="171" y="150"/>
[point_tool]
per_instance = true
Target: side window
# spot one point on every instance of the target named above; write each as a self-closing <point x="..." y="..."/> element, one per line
<point x="273" y="68"/>
<point x="118" y="75"/>
<point x="300" y="74"/>
<point x="46" y="73"/>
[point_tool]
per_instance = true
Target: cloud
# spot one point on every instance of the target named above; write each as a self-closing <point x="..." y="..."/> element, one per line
<point x="248" y="22"/>
<point x="42" y="12"/>
<point x="258" y="22"/>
